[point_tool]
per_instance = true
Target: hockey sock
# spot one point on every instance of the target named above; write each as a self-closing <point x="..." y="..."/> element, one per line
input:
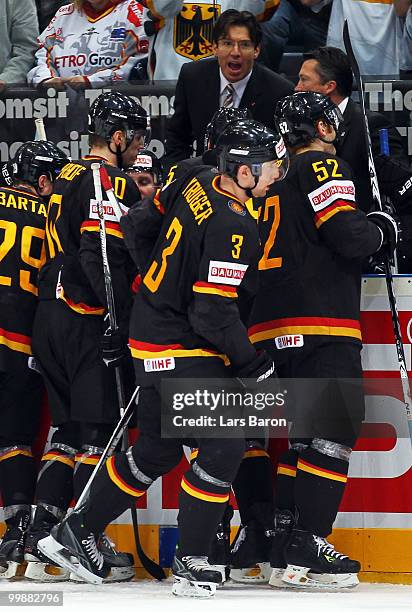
<point x="202" y="501"/>
<point x="285" y="480"/>
<point x="319" y="487"/>
<point x="117" y="485"/>
<point x="17" y="475"/>
<point x="55" y="479"/>
<point x="254" y="481"/>
<point x="85" y="462"/>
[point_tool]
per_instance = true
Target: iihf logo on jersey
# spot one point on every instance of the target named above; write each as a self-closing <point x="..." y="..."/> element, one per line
<point x="193" y="27"/>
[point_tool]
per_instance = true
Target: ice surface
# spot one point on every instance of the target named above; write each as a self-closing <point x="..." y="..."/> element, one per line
<point x="146" y="595"/>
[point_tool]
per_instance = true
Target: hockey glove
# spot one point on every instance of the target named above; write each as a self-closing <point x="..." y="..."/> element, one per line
<point x="258" y="370"/>
<point x="390" y="234"/>
<point x="114" y="348"/>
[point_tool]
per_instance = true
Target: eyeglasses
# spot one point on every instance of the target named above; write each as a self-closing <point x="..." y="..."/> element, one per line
<point x="244" y="46"/>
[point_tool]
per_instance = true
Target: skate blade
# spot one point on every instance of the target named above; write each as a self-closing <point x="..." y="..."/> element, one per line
<point x="276" y="576"/>
<point x="301" y="577"/>
<point x="259" y="574"/>
<point x="12" y="571"/>
<point x="62" y="556"/>
<point x="187" y="588"/>
<point x="45" y="572"/>
<point x="117" y="574"/>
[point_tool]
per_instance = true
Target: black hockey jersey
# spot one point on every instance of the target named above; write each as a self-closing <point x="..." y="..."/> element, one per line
<point x="22" y="252"/>
<point x="314" y="238"/>
<point x="207" y="250"/>
<point x="73" y="271"/>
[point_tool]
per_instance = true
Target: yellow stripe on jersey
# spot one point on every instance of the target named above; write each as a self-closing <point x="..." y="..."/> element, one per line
<point x="318" y="471"/>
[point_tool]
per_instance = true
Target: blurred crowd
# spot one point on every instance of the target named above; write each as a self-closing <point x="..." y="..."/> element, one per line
<point x="91" y="43"/>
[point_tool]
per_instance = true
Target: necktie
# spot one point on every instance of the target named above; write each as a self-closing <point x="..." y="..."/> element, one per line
<point x="229" y="93"/>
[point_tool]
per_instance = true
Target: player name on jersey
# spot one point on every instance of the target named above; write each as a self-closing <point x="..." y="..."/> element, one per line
<point x="13" y="199"/>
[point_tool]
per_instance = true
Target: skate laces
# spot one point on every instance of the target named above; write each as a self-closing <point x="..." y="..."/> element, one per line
<point x="105" y="542"/>
<point x="328" y="549"/>
<point x="92" y="550"/>
<point x="197" y="564"/>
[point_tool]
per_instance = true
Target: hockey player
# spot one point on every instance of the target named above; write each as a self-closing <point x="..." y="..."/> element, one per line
<point x="22" y="223"/>
<point x="307" y="315"/>
<point x="69" y="337"/>
<point x="185" y="322"/>
<point x="146" y="171"/>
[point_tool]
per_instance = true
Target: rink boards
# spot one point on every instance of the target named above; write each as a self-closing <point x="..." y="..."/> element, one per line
<point x="375" y="520"/>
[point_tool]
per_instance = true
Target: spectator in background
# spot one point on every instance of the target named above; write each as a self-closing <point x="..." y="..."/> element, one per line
<point x="181" y="30"/>
<point x="231" y="79"/>
<point x="302" y="21"/>
<point x="375" y="30"/>
<point x="146" y="171"/>
<point x="46" y="9"/>
<point x="90" y="43"/>
<point x="18" y="31"/>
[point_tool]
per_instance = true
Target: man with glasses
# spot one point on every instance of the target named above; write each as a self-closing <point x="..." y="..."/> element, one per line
<point x="231" y="79"/>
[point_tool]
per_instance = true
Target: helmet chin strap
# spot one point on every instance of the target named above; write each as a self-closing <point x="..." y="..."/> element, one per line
<point x="119" y="154"/>
<point x="247" y="190"/>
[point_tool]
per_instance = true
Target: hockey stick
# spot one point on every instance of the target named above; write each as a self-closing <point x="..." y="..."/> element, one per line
<point x="40" y="130"/>
<point x="107" y="186"/>
<point x="377" y="198"/>
<point x="111" y="445"/>
<point x="98" y="171"/>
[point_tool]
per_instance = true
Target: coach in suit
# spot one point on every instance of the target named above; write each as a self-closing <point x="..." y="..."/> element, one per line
<point x="231" y="78"/>
<point x="327" y="70"/>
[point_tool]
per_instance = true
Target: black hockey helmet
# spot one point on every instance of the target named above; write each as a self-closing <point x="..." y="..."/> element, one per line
<point x="116" y="111"/>
<point x="250" y="143"/>
<point x="146" y="161"/>
<point x="296" y="116"/>
<point x="37" y="157"/>
<point x="222" y="117"/>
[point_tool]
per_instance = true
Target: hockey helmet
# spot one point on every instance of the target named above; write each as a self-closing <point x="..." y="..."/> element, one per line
<point x="296" y="116"/>
<point x="222" y="117"/>
<point x="248" y="142"/>
<point x="116" y="111"/>
<point x="146" y="161"/>
<point x="37" y="157"/>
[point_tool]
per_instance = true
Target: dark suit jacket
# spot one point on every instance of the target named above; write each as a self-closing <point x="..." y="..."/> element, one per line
<point x="198" y="97"/>
<point x="352" y="148"/>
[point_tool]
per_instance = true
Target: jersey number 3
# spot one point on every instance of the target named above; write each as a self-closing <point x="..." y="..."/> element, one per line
<point x="156" y="272"/>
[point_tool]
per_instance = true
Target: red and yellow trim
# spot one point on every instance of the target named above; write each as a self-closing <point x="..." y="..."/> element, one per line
<point x="330" y="211"/>
<point x="15" y="453"/>
<point x="226" y="291"/>
<point x="271" y="7"/>
<point x="15" y="342"/>
<point x="112" y="229"/>
<point x="286" y="470"/>
<point x="255" y="452"/>
<point x="318" y="471"/>
<point x="145" y="350"/>
<point x="87" y="459"/>
<point x="158" y="203"/>
<point x="217" y="498"/>
<point x="193" y="454"/>
<point x="80" y="307"/>
<point x="118" y="480"/>
<point x="55" y="456"/>
<point x="93" y="15"/>
<point x="311" y="326"/>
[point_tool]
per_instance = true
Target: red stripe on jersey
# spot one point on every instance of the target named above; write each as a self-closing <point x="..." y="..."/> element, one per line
<point x="228" y="288"/>
<point x="303" y="321"/>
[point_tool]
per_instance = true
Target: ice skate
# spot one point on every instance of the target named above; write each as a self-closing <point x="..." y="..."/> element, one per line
<point x="121" y="564"/>
<point x="74" y="546"/>
<point x="39" y="567"/>
<point x="12" y="544"/>
<point x="312" y="562"/>
<point x="283" y="524"/>
<point x="195" y="577"/>
<point x="220" y="552"/>
<point x="250" y="553"/>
